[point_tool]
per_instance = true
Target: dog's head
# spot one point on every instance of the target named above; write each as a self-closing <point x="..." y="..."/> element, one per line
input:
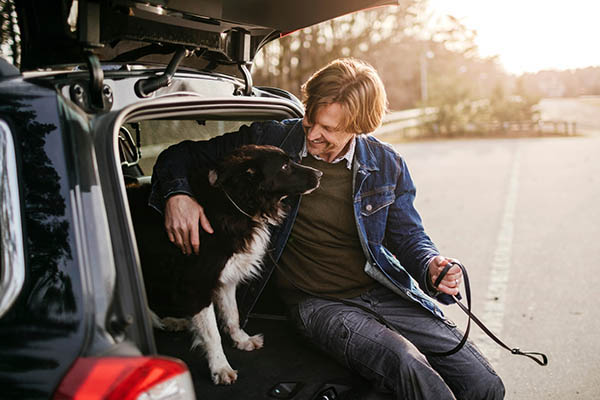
<point x="267" y="169"/>
<point x="260" y="176"/>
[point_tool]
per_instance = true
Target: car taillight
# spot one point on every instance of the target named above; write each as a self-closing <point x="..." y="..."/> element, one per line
<point x="126" y="378"/>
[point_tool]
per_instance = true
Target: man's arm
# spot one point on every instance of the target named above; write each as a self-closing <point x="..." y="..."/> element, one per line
<point x="171" y="192"/>
<point x="406" y="238"/>
<point x="172" y="169"/>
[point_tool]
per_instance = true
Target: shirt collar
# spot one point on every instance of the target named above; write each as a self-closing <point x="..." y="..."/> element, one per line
<point x="348" y="156"/>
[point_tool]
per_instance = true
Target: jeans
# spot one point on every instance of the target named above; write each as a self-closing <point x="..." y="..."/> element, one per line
<point x="391" y="360"/>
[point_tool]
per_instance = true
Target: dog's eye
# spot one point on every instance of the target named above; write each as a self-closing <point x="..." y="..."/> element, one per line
<point x="285" y="167"/>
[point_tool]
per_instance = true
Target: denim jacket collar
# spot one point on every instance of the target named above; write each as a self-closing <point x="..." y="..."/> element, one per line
<point x="363" y="155"/>
<point x="294" y="142"/>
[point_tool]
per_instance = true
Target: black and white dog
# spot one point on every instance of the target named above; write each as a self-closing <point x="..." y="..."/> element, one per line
<point x="241" y="198"/>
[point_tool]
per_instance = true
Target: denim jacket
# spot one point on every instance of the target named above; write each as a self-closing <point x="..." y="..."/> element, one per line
<point x="396" y="246"/>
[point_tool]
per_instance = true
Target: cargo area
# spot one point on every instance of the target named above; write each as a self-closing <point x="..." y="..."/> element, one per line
<point x="287" y="367"/>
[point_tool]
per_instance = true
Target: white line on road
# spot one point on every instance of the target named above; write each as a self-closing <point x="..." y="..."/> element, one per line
<point x="493" y="311"/>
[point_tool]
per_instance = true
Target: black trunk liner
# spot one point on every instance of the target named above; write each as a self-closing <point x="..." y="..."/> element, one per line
<point x="286" y="357"/>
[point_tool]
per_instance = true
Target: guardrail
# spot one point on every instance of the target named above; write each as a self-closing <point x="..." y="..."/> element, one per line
<point x="407" y="124"/>
<point x="540" y="127"/>
<point x="406" y="120"/>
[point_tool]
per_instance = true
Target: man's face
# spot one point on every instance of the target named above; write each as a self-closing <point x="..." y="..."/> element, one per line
<point x="322" y="137"/>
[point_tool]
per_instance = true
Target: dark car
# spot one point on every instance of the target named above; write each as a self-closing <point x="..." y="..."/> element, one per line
<point x="104" y="87"/>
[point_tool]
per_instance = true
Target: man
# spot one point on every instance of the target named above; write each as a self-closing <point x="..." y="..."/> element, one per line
<point x="357" y="237"/>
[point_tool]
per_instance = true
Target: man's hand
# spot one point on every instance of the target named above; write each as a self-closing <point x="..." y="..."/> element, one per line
<point x="182" y="213"/>
<point x="451" y="282"/>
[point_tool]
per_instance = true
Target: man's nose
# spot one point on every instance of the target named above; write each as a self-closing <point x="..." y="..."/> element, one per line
<point x="314" y="132"/>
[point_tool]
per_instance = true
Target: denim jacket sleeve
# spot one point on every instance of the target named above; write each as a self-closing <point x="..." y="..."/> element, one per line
<point x="405" y="235"/>
<point x="170" y="173"/>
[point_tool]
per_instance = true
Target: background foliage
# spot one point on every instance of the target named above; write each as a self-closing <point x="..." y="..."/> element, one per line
<point x="422" y="62"/>
<point x="9" y="33"/>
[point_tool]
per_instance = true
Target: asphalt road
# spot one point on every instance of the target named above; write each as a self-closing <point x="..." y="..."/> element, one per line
<point x="523" y="215"/>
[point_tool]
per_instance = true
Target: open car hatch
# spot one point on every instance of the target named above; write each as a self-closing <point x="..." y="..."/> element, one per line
<point x="57" y="32"/>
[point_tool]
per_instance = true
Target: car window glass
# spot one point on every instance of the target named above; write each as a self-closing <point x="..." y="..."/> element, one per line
<point x="12" y="267"/>
<point x="157" y="135"/>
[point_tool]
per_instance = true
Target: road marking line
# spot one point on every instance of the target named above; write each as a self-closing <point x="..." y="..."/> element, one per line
<point x="493" y="311"/>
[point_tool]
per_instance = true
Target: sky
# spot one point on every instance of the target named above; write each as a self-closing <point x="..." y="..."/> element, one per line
<point x="531" y="35"/>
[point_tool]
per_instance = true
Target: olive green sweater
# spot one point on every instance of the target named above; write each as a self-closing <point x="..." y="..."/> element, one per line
<point x="323" y="254"/>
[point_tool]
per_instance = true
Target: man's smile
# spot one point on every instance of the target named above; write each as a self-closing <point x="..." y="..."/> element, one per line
<point x="323" y="137"/>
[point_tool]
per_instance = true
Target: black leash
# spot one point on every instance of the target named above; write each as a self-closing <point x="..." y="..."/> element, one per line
<point x="543" y="360"/>
<point x="539" y="358"/>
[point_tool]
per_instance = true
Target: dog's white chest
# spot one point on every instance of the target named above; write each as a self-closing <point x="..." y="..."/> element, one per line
<point x="247" y="264"/>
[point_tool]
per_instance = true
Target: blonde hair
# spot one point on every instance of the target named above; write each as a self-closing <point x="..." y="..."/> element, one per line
<point x="356" y="86"/>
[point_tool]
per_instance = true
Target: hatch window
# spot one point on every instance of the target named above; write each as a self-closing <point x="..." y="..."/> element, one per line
<point x="151" y="137"/>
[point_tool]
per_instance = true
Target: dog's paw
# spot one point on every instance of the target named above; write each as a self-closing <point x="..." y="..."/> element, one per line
<point x="224" y="376"/>
<point x="251" y="343"/>
<point x="156" y="321"/>
<point x="175" y="324"/>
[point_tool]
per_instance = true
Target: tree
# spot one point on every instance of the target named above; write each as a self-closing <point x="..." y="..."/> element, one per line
<point x="10" y="41"/>
<point x="289" y="62"/>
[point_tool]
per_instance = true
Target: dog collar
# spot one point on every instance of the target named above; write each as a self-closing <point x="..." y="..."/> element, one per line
<point x="235" y="205"/>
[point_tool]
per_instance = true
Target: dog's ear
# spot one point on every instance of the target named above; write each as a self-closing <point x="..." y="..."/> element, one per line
<point x="236" y="170"/>
<point x="212" y="177"/>
<point x="247" y="171"/>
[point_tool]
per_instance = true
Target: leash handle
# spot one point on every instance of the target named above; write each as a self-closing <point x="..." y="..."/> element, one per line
<point x="467" y="309"/>
<point x="539" y="358"/>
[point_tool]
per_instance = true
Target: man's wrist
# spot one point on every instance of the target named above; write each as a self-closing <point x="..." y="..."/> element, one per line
<point x="161" y="192"/>
<point x="431" y="289"/>
<point x="177" y="186"/>
<point x="177" y="192"/>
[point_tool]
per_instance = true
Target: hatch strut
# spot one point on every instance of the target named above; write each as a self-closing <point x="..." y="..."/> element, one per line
<point x="247" y="78"/>
<point x="96" y="80"/>
<point x="240" y="51"/>
<point x="145" y="87"/>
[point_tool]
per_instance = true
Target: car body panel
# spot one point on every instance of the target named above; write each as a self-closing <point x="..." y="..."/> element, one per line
<point x="48" y="324"/>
